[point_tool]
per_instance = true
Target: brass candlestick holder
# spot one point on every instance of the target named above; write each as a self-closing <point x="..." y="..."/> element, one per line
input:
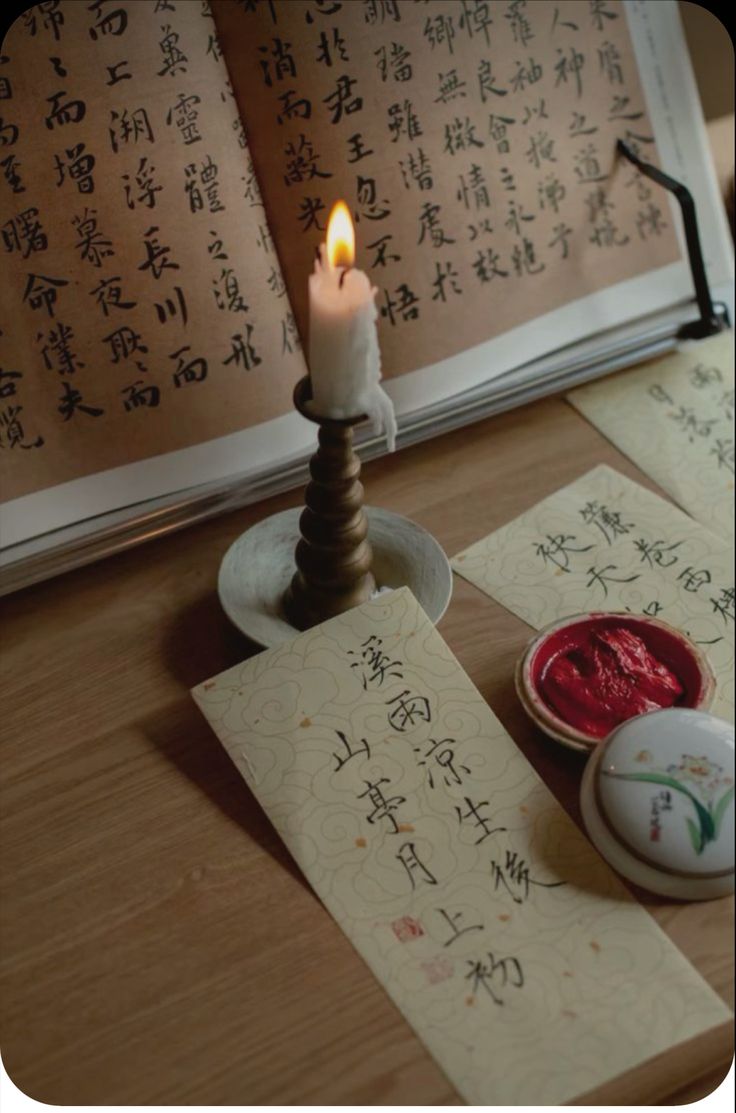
<point x="336" y="566"/>
<point x="333" y="556"/>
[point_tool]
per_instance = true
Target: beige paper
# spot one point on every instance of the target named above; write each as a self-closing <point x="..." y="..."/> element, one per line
<point x="511" y="948"/>
<point x="474" y="144"/>
<point x="674" y="418"/>
<point x="606" y="544"/>
<point x="142" y="303"/>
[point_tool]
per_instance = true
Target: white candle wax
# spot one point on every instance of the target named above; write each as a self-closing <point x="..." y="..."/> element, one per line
<point x="344" y="357"/>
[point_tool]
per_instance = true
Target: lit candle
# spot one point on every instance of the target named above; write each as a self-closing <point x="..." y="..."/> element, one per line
<point x="344" y="358"/>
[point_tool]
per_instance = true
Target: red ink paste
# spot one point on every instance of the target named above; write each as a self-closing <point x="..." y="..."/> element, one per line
<point x="599" y="672"/>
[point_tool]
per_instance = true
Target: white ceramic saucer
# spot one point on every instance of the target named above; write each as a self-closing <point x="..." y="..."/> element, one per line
<point x="257" y="569"/>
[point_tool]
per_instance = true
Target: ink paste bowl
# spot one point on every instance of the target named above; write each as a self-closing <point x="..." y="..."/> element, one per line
<point x="657" y="799"/>
<point x="582" y="676"/>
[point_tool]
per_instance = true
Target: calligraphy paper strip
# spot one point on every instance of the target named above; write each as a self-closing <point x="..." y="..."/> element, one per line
<point x="511" y="948"/>
<point x="606" y="544"/>
<point x="674" y="418"/>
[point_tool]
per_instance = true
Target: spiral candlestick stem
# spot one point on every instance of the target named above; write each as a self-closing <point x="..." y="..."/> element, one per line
<point x="333" y="556"/>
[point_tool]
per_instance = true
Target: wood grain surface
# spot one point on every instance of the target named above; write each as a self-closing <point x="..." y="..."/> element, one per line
<point x="158" y="944"/>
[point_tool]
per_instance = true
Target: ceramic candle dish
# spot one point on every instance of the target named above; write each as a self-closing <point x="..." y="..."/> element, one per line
<point x="560" y="651"/>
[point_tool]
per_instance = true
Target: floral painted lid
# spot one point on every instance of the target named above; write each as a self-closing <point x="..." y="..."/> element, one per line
<point x="665" y="791"/>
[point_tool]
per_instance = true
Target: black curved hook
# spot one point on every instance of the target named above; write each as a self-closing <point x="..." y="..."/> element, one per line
<point x="710" y="321"/>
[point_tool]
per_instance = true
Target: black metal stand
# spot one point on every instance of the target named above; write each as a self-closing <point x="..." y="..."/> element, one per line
<point x="712" y="320"/>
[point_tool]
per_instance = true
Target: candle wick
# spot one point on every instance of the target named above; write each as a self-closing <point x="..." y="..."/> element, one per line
<point x="342" y="276"/>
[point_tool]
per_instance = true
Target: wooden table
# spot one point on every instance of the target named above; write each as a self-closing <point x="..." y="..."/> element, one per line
<point x="158" y="944"/>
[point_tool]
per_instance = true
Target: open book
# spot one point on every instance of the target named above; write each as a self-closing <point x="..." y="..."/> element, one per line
<point x="167" y="170"/>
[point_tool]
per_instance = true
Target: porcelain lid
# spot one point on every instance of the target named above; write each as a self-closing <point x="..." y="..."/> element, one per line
<point x="664" y="787"/>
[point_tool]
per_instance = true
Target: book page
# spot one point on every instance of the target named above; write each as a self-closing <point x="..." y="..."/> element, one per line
<point x="672" y="105"/>
<point x="474" y="144"/>
<point x="674" y="418"/>
<point x="143" y="308"/>
<point x="603" y="543"/>
<point x="515" y="953"/>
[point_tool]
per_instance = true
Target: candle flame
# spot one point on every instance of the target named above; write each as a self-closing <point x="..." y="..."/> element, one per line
<point x="340" y="237"/>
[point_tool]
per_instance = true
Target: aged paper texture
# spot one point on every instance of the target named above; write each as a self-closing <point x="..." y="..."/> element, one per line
<point x="513" y="950"/>
<point x="143" y="308"/>
<point x="674" y="418"/>
<point x="474" y="144"/>
<point x="606" y="544"/>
